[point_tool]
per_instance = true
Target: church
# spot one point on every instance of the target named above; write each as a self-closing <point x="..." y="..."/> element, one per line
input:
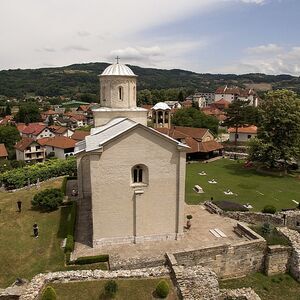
<point x="132" y="176"/>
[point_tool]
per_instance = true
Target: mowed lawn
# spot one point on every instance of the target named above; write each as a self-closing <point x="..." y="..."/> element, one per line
<point x="21" y="255"/>
<point x="277" y="287"/>
<point x="133" y="289"/>
<point x="247" y="185"/>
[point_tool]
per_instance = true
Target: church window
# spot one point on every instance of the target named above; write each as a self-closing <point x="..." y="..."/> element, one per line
<point x="120" y="93"/>
<point x="139" y="174"/>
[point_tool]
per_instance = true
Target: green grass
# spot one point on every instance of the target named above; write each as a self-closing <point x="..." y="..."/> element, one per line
<point x="272" y="238"/>
<point x="278" y="287"/>
<point x="247" y="185"/>
<point x="133" y="289"/>
<point x="21" y="255"/>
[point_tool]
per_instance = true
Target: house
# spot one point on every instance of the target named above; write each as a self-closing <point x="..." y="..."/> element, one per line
<point x="187" y="103"/>
<point x="7" y="120"/>
<point x="214" y="112"/>
<point x="30" y="150"/>
<point x="3" y="152"/>
<point x="79" y="135"/>
<point x="243" y="133"/>
<point x="200" y="141"/>
<point x="233" y="93"/>
<point x="34" y="130"/>
<point x="61" y="146"/>
<point x="131" y="178"/>
<point x="61" y="130"/>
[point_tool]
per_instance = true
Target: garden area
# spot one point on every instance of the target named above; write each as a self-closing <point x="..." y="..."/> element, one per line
<point x="133" y="289"/>
<point x="231" y="181"/>
<point x="277" y="287"/>
<point x="22" y="255"/>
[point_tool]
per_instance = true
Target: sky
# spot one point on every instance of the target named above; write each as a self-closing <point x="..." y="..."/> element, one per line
<point x="204" y="36"/>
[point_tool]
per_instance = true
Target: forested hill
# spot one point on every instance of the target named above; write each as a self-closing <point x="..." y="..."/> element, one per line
<point x="82" y="78"/>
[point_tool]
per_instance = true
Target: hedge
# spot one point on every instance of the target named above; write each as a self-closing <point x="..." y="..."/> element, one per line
<point x="18" y="178"/>
<point x="91" y="259"/>
<point x="71" y="228"/>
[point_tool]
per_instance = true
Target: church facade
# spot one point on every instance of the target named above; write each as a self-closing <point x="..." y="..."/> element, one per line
<point x="133" y="176"/>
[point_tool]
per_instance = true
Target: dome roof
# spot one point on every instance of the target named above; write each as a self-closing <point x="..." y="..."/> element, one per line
<point x="117" y="70"/>
<point x="162" y="106"/>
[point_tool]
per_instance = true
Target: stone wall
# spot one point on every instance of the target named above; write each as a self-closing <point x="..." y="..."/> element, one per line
<point x="277" y="259"/>
<point x="294" y="263"/>
<point x="228" y="261"/>
<point x="39" y="281"/>
<point x="239" y="294"/>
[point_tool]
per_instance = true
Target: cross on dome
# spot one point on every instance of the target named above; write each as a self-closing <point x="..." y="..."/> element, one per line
<point x="117" y="58"/>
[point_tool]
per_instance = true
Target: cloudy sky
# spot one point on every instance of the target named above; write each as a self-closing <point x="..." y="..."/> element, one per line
<point x="217" y="36"/>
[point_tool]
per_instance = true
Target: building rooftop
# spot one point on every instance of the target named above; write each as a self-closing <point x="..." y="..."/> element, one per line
<point x="117" y="70"/>
<point x="3" y="151"/>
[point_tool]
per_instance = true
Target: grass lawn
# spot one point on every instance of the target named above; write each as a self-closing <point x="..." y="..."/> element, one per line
<point x="278" y="287"/>
<point x="247" y="185"/>
<point x="133" y="289"/>
<point x="21" y="255"/>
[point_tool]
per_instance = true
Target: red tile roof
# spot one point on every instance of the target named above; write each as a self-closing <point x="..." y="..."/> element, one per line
<point x="79" y="135"/>
<point x="3" y="151"/>
<point x="6" y="120"/>
<point x="31" y="128"/>
<point x="24" y="143"/>
<point x="83" y="107"/>
<point x="60" y="142"/>
<point x="204" y="147"/>
<point x="246" y="129"/>
<point x="50" y="112"/>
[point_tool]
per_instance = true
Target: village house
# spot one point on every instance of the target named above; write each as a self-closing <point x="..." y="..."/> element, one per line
<point x="58" y="146"/>
<point x="61" y="130"/>
<point x="3" y="152"/>
<point x="243" y="133"/>
<point x="34" y="130"/>
<point x="30" y="150"/>
<point x="79" y="135"/>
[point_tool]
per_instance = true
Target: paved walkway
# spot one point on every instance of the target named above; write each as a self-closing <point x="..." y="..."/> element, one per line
<point x="198" y="236"/>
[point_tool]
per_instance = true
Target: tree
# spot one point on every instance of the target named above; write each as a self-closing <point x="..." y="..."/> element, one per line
<point x="7" y="110"/>
<point x="191" y="117"/>
<point x="278" y="138"/>
<point x="9" y="135"/>
<point x="48" y="199"/>
<point x="180" y="97"/>
<point x="238" y="114"/>
<point x="50" y="121"/>
<point x="49" y="294"/>
<point x="28" y="112"/>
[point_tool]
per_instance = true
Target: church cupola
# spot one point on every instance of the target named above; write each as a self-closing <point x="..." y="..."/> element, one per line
<point x="118" y="87"/>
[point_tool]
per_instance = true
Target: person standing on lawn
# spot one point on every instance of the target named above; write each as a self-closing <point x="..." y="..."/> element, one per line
<point x="19" y="204"/>
<point x="35" y="230"/>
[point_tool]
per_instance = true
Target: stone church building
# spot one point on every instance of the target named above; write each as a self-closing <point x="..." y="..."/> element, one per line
<point x="132" y="176"/>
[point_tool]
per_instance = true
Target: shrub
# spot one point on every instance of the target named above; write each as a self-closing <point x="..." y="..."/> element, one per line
<point x="17" y="178"/>
<point x="189" y="217"/>
<point x="48" y="199"/>
<point x="91" y="259"/>
<point x="111" y="288"/>
<point x="269" y="209"/>
<point x="266" y="229"/>
<point x="69" y="243"/>
<point x="162" y="289"/>
<point x="49" y="294"/>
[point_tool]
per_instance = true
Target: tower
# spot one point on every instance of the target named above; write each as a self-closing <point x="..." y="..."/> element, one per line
<point x="161" y="115"/>
<point x="118" y="96"/>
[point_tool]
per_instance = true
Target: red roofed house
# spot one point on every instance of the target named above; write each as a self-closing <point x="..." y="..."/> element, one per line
<point x="3" y="152"/>
<point x="61" y="130"/>
<point x="79" y="135"/>
<point x="243" y="134"/>
<point x="7" y="120"/>
<point x="34" y="130"/>
<point x="61" y="146"/>
<point x="200" y="140"/>
<point x="29" y="150"/>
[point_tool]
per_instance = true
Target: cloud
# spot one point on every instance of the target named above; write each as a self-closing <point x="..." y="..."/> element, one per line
<point x="253" y="1"/>
<point x="269" y="59"/>
<point x="48" y="49"/>
<point x="83" y="33"/>
<point x="76" y="48"/>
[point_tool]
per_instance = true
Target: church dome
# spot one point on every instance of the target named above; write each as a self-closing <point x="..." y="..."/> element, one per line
<point x="117" y="70"/>
<point x="161" y="106"/>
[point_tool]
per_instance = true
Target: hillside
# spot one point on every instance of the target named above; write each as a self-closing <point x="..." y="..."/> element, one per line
<point x="82" y="78"/>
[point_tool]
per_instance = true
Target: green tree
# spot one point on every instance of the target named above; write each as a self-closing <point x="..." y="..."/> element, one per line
<point x="191" y="117"/>
<point x="49" y="294"/>
<point x="9" y="135"/>
<point x="278" y="138"/>
<point x="7" y="110"/>
<point x="238" y="114"/>
<point x="180" y="97"/>
<point x="28" y="112"/>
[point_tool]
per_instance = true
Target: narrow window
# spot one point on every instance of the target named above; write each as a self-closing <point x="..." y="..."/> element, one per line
<point x="120" y="93"/>
<point x="139" y="174"/>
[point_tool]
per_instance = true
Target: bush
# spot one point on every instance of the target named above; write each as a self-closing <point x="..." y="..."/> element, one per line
<point x="91" y="259"/>
<point x="162" y="289"/>
<point x="17" y="178"/>
<point x="111" y="288"/>
<point x="49" y="294"/>
<point x="269" y="209"/>
<point x="189" y="217"/>
<point x="69" y="243"/>
<point x="266" y="229"/>
<point x="48" y="199"/>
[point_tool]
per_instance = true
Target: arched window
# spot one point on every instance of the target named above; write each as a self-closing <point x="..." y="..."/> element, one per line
<point x="139" y="174"/>
<point x="120" y="93"/>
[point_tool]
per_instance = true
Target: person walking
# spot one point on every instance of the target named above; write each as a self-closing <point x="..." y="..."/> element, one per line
<point x="35" y="230"/>
<point x="19" y="203"/>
